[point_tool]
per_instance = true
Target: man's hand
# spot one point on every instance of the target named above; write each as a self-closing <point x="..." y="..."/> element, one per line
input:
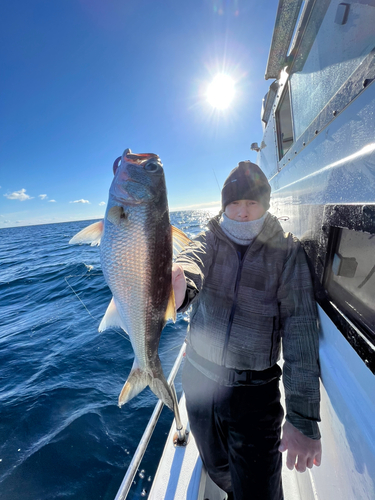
<point x="309" y="451"/>
<point x="178" y="284"/>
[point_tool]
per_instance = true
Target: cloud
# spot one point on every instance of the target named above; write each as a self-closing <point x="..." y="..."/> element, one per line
<point x="19" y="195"/>
<point x="52" y="201"/>
<point x="80" y="201"/>
<point x="6" y="221"/>
<point x="43" y="196"/>
<point x="101" y="203"/>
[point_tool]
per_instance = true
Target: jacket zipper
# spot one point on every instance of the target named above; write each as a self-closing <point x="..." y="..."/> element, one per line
<point x="234" y="305"/>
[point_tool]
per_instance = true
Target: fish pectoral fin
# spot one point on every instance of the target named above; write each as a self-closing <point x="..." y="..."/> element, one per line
<point x="180" y="240"/>
<point x="91" y="234"/>
<point x="170" y="313"/>
<point x="117" y="215"/>
<point x="111" y="318"/>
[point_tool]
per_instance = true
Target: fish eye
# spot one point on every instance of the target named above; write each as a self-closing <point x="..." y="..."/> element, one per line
<point x="152" y="167"/>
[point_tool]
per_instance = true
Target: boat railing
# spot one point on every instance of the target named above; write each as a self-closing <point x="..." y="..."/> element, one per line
<point x="143" y="443"/>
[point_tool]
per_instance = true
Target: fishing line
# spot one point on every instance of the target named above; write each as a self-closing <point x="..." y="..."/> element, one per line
<point x="123" y="335"/>
<point x="78" y="297"/>
<point x="217" y="182"/>
<point x="173" y="348"/>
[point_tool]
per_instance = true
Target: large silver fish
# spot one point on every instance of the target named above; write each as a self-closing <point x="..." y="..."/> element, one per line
<point x="136" y="256"/>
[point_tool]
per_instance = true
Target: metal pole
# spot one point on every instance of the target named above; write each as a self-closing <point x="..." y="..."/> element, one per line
<point x="140" y="451"/>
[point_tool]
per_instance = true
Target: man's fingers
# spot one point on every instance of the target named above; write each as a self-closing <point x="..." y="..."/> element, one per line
<point x="282" y="446"/>
<point x="302" y="461"/>
<point x="308" y="451"/>
<point x="301" y="464"/>
<point x="178" y="284"/>
<point x="290" y="460"/>
<point x="307" y="462"/>
<point x="176" y="271"/>
<point x="310" y="463"/>
<point x="318" y="459"/>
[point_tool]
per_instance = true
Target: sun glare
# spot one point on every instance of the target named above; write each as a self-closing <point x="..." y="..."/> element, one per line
<point x="220" y="92"/>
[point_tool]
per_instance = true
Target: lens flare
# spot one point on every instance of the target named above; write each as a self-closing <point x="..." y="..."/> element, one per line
<point x="221" y="91"/>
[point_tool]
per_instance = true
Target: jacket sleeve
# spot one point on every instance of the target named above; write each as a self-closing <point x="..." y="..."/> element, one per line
<point x="300" y="341"/>
<point x="195" y="261"/>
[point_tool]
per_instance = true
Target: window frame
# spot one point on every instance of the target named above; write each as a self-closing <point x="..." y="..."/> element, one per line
<point x="357" y="216"/>
<point x="352" y="307"/>
<point x="285" y="94"/>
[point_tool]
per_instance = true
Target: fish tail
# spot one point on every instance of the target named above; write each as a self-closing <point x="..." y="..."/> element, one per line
<point x="139" y="379"/>
<point x="161" y="389"/>
<point x="136" y="382"/>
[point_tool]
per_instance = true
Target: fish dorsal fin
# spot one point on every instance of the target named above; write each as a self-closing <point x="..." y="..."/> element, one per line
<point x="170" y="313"/>
<point x="111" y="318"/>
<point x="91" y="234"/>
<point x="180" y="240"/>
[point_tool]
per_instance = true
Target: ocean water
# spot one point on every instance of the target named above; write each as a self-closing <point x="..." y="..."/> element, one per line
<point x="62" y="435"/>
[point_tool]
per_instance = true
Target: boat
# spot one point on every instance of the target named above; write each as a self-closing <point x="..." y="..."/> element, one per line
<point x="318" y="152"/>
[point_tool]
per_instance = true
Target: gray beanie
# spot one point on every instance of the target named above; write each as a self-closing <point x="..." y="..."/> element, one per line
<point x="246" y="182"/>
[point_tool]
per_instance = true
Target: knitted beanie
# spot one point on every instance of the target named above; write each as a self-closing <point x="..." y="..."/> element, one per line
<point x="246" y="182"/>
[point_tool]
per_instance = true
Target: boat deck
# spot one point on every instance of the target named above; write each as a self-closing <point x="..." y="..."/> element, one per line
<point x="181" y="476"/>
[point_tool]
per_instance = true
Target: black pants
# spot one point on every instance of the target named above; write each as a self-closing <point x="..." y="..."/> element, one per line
<point x="237" y="431"/>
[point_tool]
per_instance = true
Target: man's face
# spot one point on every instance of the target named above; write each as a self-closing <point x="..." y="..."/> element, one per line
<point x="244" y="210"/>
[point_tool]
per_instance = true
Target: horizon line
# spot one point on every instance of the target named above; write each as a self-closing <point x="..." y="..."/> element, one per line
<point x="202" y="206"/>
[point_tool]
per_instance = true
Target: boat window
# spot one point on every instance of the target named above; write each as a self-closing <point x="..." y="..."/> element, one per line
<point x="284" y="124"/>
<point x="350" y="279"/>
<point x="339" y="47"/>
<point x="268" y="102"/>
<point x="267" y="156"/>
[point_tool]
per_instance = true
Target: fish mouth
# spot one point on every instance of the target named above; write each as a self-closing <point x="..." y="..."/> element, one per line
<point x="139" y="158"/>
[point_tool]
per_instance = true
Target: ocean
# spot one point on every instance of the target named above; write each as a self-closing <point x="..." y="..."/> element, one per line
<point x="62" y="435"/>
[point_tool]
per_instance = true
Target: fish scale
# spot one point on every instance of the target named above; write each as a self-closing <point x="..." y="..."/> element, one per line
<point x="130" y="247"/>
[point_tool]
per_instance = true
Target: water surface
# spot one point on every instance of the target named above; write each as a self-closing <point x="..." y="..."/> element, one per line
<point x="62" y="434"/>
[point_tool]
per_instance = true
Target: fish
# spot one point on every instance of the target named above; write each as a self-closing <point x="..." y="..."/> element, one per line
<point x="136" y="251"/>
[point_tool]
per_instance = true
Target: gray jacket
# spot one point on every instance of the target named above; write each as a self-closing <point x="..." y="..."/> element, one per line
<point x="241" y="309"/>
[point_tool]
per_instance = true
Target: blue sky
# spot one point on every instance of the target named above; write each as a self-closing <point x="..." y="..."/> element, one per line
<point x="81" y="80"/>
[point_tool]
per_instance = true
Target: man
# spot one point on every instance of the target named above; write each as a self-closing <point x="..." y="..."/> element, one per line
<point x="249" y="287"/>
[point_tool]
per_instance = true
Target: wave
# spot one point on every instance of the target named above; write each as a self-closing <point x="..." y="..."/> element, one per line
<point x="62" y="434"/>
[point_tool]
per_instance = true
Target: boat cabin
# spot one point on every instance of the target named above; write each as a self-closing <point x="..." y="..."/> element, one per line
<point x="318" y="152"/>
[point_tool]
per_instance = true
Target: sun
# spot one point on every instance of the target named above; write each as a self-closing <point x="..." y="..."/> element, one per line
<point x="220" y="91"/>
